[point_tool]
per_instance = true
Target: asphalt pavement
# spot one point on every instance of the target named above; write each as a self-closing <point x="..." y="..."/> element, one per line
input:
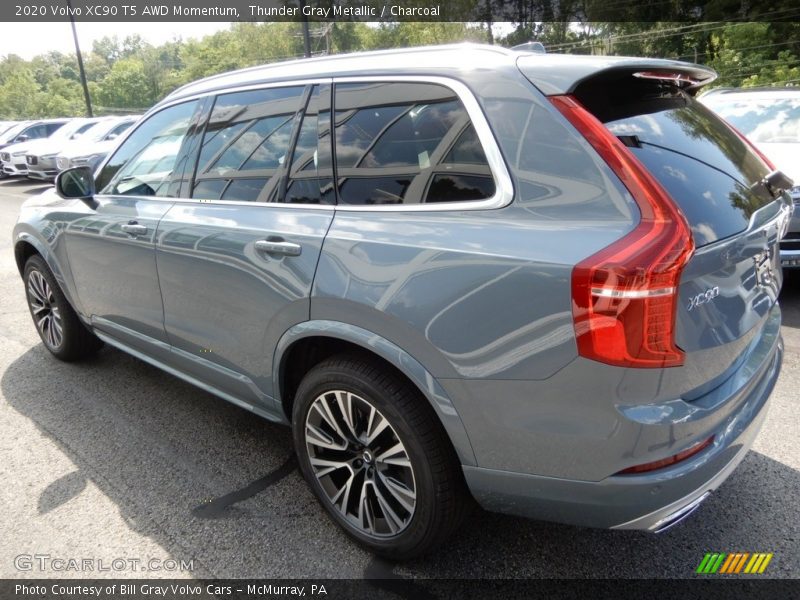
<point x="114" y="460"/>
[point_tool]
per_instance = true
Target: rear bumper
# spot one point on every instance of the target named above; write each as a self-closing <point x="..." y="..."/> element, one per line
<point x="790" y="245"/>
<point x="790" y="259"/>
<point x="651" y="501"/>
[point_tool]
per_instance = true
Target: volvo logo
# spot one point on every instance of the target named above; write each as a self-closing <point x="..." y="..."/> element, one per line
<point x="703" y="297"/>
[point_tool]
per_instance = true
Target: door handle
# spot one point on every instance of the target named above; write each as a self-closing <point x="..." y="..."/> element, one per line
<point x="279" y="247"/>
<point x="133" y="228"/>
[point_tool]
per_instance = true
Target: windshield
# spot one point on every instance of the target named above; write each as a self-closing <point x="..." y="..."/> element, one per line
<point x="763" y="120"/>
<point x="74" y="128"/>
<point x="99" y="130"/>
<point x="9" y="135"/>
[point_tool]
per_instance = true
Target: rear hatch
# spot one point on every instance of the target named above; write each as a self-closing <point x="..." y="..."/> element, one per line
<point x="731" y="283"/>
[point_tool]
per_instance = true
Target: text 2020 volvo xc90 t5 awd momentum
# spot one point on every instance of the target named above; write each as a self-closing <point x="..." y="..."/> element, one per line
<point x="548" y="283"/>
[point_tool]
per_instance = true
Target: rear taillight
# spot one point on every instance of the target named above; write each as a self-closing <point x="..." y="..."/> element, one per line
<point x="624" y="298"/>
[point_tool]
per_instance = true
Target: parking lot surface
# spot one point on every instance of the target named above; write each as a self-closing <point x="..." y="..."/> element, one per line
<point x="114" y="459"/>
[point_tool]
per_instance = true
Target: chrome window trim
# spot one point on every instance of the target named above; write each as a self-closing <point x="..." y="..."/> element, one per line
<point x="163" y="105"/>
<point x="504" y="189"/>
<point x="504" y="192"/>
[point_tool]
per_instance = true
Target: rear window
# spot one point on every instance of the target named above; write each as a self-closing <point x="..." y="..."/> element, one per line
<point x="700" y="161"/>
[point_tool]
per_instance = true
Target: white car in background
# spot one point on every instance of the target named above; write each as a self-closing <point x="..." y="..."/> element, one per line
<point x="42" y="160"/>
<point x="91" y="149"/>
<point x="770" y="118"/>
<point x="14" y="156"/>
<point x="25" y="131"/>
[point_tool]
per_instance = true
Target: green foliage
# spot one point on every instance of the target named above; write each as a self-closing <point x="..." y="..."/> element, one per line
<point x="131" y="74"/>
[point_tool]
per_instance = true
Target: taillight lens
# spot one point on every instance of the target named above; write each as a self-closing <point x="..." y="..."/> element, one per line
<point x="670" y="460"/>
<point x="624" y="298"/>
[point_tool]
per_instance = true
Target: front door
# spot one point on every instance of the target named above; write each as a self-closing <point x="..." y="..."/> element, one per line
<point x="112" y="243"/>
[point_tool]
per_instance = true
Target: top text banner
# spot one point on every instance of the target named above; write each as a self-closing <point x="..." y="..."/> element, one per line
<point x="519" y="11"/>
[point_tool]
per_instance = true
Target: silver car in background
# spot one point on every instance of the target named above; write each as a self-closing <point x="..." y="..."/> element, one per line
<point x="770" y="118"/>
<point x="92" y="149"/>
<point x="545" y="283"/>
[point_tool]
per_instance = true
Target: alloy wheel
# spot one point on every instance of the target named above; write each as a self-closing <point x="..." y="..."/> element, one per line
<point x="361" y="464"/>
<point x="46" y="313"/>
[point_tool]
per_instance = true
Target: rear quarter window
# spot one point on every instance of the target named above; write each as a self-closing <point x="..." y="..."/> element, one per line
<point x="406" y="143"/>
<point x="558" y="177"/>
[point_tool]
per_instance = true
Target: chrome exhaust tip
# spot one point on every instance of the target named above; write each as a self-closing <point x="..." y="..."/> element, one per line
<point x="679" y="515"/>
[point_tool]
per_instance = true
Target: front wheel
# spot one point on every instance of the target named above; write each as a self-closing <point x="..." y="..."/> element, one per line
<point x="376" y="456"/>
<point x="56" y="322"/>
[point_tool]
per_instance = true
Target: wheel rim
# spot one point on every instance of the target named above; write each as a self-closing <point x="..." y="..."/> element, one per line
<point x="46" y="314"/>
<point x="360" y="463"/>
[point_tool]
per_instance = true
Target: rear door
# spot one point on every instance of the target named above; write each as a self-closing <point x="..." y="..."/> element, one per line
<point x="236" y="260"/>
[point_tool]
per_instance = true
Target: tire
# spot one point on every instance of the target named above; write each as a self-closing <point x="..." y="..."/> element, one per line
<point x="406" y="490"/>
<point x="56" y="322"/>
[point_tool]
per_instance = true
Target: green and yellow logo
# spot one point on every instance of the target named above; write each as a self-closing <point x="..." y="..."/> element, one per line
<point x="737" y="562"/>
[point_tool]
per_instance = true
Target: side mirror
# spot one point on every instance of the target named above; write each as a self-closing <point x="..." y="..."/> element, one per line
<point x="21" y="138"/>
<point x="77" y="182"/>
<point x="112" y="136"/>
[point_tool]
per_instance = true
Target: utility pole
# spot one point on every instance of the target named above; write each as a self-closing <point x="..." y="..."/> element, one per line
<point x="80" y="63"/>
<point x="306" y="34"/>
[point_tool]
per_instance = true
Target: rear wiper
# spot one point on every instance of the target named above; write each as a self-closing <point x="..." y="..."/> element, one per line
<point x="631" y="141"/>
<point x="772" y="186"/>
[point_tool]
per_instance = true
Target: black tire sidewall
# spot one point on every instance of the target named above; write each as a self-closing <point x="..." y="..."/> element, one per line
<point x="77" y="342"/>
<point x="37" y="264"/>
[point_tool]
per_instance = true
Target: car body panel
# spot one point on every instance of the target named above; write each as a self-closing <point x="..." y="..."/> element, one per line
<point x="568" y="428"/>
<point x="648" y="501"/>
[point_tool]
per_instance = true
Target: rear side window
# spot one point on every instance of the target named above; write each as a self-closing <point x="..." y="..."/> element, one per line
<point x="704" y="165"/>
<point x="246" y="144"/>
<point x="406" y="143"/>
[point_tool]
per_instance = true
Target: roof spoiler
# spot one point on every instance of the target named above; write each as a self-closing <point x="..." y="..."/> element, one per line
<point x="564" y="74"/>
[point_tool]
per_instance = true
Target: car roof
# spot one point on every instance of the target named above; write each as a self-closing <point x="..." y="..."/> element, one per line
<point x="449" y="60"/>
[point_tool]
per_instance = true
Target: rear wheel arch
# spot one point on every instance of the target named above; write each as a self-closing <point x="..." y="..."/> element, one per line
<point x="27" y="245"/>
<point x="308" y="344"/>
<point x="23" y="250"/>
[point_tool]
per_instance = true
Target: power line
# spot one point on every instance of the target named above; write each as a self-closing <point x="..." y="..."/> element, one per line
<point x="658" y="34"/>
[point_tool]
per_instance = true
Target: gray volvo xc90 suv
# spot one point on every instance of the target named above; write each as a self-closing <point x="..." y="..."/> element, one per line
<point x="548" y="283"/>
